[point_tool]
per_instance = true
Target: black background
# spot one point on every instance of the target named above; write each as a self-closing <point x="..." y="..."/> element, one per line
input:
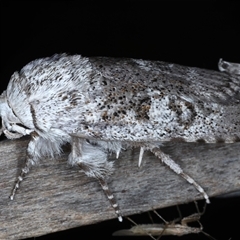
<point x="193" y="33"/>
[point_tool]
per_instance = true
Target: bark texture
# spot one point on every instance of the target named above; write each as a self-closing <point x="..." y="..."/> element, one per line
<point x="55" y="196"/>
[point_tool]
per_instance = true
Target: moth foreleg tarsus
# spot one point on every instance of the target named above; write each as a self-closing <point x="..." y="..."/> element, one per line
<point x="30" y="160"/>
<point x="24" y="171"/>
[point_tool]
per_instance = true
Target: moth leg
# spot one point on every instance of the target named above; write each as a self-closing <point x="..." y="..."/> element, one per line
<point x="165" y="158"/>
<point x="30" y="161"/>
<point x="23" y="173"/>
<point x="92" y="159"/>
<point x="111" y="198"/>
<point x="140" y="156"/>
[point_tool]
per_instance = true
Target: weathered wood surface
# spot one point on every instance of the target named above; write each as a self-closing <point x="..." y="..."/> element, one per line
<point x="55" y="196"/>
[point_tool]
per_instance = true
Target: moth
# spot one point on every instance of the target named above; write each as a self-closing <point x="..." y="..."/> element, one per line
<point x="177" y="227"/>
<point x="102" y="105"/>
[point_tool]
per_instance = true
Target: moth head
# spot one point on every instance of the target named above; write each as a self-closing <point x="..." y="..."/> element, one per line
<point x="10" y="123"/>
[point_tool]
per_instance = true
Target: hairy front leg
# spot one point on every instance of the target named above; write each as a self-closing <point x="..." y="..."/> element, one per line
<point x="38" y="147"/>
<point x="29" y="162"/>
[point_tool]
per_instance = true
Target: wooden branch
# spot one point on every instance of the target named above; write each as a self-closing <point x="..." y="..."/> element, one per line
<point x="55" y="196"/>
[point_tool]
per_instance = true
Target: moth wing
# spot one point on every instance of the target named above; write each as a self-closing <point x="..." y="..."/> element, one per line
<point x="128" y="99"/>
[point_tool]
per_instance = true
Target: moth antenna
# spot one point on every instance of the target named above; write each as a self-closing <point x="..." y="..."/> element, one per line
<point x="177" y="169"/>
<point x="140" y="156"/>
<point x="110" y="197"/>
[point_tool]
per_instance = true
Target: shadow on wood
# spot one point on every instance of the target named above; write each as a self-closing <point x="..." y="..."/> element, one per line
<point x="55" y="196"/>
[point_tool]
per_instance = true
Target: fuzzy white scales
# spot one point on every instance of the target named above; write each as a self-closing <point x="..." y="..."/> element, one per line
<point x="100" y="105"/>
